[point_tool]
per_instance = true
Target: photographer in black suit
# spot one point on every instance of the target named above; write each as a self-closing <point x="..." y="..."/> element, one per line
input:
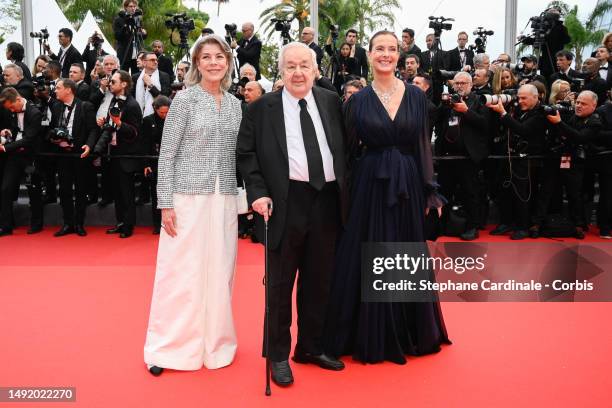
<point x="121" y="135"/>
<point x="93" y="50"/>
<point x="461" y="130"/>
<point x="127" y="27"/>
<point x="67" y="54"/>
<point x="460" y="58"/>
<point x="432" y="60"/>
<point x="248" y="48"/>
<point x="73" y="129"/>
<point x="17" y="144"/>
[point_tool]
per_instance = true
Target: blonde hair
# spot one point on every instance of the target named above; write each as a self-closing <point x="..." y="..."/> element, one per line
<point x="497" y="77"/>
<point x="194" y="77"/>
<point x="555" y="88"/>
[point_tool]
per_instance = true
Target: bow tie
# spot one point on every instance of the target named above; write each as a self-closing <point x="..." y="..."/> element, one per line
<point x="604" y="68"/>
<point x="462" y="51"/>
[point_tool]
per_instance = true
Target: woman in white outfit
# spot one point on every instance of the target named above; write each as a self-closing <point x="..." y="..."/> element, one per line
<point x="191" y="322"/>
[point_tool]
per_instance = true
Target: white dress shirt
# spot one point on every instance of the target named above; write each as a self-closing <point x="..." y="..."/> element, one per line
<point x="298" y="163"/>
<point x="603" y="73"/>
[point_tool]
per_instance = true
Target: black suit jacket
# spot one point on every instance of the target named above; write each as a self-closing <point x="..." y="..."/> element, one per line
<point x="129" y="136"/>
<point x="164" y="64"/>
<point x="558" y="75"/>
<point x="452" y="59"/>
<point x="83" y="91"/>
<point x="89" y="59"/>
<point x="72" y="57"/>
<point x="25" y="89"/>
<point x="164" y="82"/>
<point x="263" y="159"/>
<point x="361" y="66"/>
<point x="26" y="71"/>
<point x="250" y="53"/>
<point x="472" y="125"/>
<point x="319" y="51"/>
<point x="599" y="86"/>
<point x="30" y="138"/>
<point x="84" y="128"/>
<point x="530" y="126"/>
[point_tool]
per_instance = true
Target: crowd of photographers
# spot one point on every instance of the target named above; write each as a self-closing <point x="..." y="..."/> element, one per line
<point x="525" y="135"/>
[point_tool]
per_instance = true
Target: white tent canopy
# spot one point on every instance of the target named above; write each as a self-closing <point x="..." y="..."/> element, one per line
<point x="87" y="28"/>
<point x="47" y="14"/>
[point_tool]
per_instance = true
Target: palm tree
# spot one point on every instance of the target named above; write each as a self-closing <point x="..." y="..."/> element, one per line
<point x="218" y="5"/>
<point x="585" y="34"/>
<point x="374" y="14"/>
<point x="285" y="10"/>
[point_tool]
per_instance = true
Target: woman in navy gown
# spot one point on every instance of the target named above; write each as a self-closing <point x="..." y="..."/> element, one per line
<point x="392" y="188"/>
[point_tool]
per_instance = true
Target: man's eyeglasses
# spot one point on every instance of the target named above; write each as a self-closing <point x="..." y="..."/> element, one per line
<point x="151" y="60"/>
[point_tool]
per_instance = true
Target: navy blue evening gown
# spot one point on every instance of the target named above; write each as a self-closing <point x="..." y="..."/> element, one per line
<point x="391" y="183"/>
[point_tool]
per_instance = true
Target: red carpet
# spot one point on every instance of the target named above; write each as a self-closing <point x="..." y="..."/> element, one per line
<point x="73" y="312"/>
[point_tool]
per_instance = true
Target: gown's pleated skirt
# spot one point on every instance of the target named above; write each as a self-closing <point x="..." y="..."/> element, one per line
<point x="190" y="322"/>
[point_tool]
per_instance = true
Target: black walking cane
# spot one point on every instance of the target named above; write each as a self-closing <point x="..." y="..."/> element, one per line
<point x="267" y="305"/>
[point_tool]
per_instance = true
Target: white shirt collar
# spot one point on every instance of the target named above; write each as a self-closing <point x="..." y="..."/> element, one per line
<point x="295" y="101"/>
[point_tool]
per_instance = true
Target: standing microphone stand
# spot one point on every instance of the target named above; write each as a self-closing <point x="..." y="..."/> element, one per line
<point x="267" y="308"/>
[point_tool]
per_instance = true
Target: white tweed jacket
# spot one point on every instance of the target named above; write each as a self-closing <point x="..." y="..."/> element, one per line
<point x="198" y="146"/>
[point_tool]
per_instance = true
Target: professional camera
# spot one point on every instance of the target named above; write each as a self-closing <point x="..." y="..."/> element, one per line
<point x="43" y="34"/>
<point x="96" y="40"/>
<point x="445" y="75"/>
<point x="541" y="27"/>
<point x="8" y="137"/>
<point x="61" y="133"/>
<point x="334" y="30"/>
<point x="231" y="30"/>
<point x="236" y="85"/>
<point x="133" y="21"/>
<point x="577" y="82"/>
<point x="283" y="26"/>
<point x="40" y="83"/>
<point x="480" y="42"/>
<point x="505" y="98"/>
<point x="439" y="23"/>
<point x="180" y="22"/>
<point x="450" y="99"/>
<point x="109" y="127"/>
<point x="561" y="107"/>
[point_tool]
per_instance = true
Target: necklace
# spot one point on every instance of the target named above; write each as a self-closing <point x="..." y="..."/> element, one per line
<point x="385" y="97"/>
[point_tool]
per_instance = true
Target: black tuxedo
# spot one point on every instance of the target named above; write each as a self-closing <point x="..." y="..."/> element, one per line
<point x="72" y="57"/>
<point x="561" y="75"/>
<point x="304" y="223"/>
<point x="315" y="47"/>
<point x="361" y="63"/>
<point x="452" y="59"/>
<point x="250" y="52"/>
<point x="431" y="66"/>
<point x="73" y="171"/>
<point x="14" y="161"/>
<point x="164" y="64"/>
<point x="599" y="86"/>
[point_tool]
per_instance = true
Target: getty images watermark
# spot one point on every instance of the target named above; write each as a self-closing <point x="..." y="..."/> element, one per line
<point x="502" y="272"/>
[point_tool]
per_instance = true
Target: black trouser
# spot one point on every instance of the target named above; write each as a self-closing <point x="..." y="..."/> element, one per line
<point x="602" y="166"/>
<point x="12" y="169"/>
<point x="73" y="178"/>
<point x="34" y="185"/>
<point x="123" y="194"/>
<point x="554" y="177"/>
<point x="47" y="168"/>
<point x="518" y="192"/>
<point x="459" y="182"/>
<point x="107" y="184"/>
<point x="155" y="212"/>
<point x="307" y="245"/>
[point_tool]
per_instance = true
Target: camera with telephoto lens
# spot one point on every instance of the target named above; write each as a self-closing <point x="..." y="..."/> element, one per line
<point x="62" y="134"/>
<point x="504" y="98"/>
<point x="450" y="99"/>
<point x="43" y="34"/>
<point x="40" y="83"/>
<point x="561" y="107"/>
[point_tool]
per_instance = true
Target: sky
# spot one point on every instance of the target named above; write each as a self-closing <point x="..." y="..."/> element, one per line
<point x="468" y="15"/>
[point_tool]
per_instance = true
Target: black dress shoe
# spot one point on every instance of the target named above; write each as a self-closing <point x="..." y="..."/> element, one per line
<point x="117" y="229"/>
<point x="518" y="235"/>
<point x="65" y="230"/>
<point x="104" y="203"/>
<point x="34" y="230"/>
<point x="4" y="232"/>
<point x="322" y="360"/>
<point x="579" y="233"/>
<point x="470" y="234"/>
<point x="126" y="233"/>
<point x="80" y="231"/>
<point x="281" y="373"/>
<point x="156" y="371"/>
<point x="91" y="200"/>
<point x="534" y="231"/>
<point x="501" y="229"/>
<point x="49" y="200"/>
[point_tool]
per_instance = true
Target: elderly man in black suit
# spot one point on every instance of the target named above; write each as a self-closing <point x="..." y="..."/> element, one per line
<point x="248" y="48"/>
<point x="291" y="155"/>
<point x="308" y="38"/>
<point x="17" y="143"/>
<point x="67" y="54"/>
<point x="78" y="119"/>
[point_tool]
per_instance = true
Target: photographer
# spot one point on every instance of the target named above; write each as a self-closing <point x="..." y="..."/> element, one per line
<point x="593" y="81"/>
<point x="15" y="54"/>
<point x="460" y="58"/>
<point x="307" y="38"/>
<point x="68" y="54"/>
<point x="129" y="34"/>
<point x="249" y="48"/>
<point x="525" y="134"/>
<point x="555" y="40"/>
<point x="152" y="128"/>
<point x="603" y="167"/>
<point x="164" y="62"/>
<point x="13" y="76"/>
<point x="121" y="135"/>
<point x="150" y="83"/>
<point x="461" y="131"/>
<point x="432" y="60"/>
<point x="17" y="145"/>
<point x="573" y="136"/>
<point x="73" y="130"/>
<point x="77" y="74"/>
<point x="529" y="71"/>
<point x="93" y="50"/>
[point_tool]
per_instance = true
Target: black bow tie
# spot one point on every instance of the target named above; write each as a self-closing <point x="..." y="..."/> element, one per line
<point x="462" y="51"/>
<point x="604" y="68"/>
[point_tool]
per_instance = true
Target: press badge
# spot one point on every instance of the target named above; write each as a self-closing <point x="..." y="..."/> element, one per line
<point x="566" y="162"/>
<point x="453" y="121"/>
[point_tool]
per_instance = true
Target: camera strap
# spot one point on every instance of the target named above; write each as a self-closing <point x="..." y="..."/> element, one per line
<point x="66" y="118"/>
